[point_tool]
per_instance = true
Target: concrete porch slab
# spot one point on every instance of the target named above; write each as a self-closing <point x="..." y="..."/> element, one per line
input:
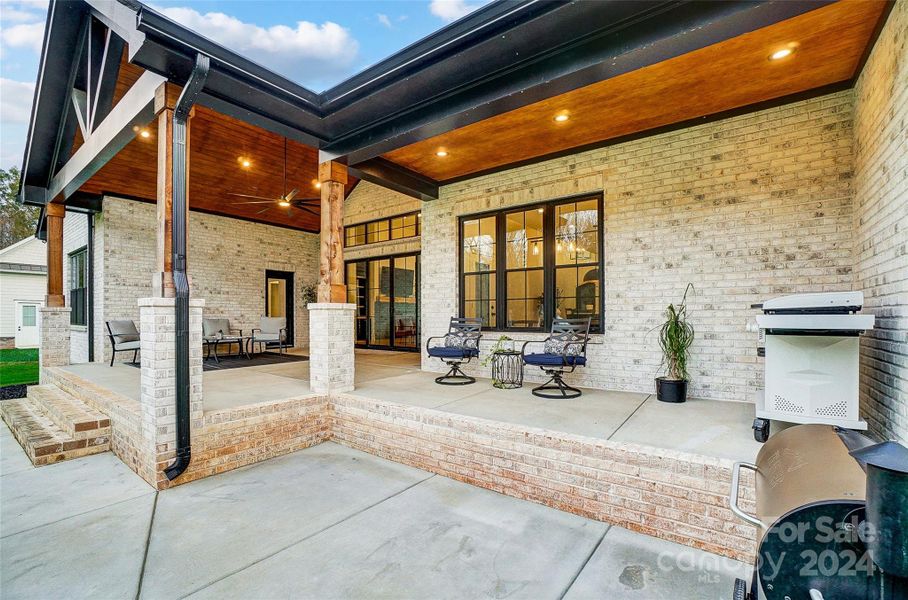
<point x="439" y="539"/>
<point x="208" y="529"/>
<point x="630" y="566"/>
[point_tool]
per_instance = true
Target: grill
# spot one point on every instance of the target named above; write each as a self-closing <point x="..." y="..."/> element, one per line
<point x="816" y="540"/>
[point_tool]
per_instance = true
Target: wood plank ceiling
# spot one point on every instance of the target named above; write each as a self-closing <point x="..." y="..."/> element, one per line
<point x="217" y="145"/>
<point x="731" y="74"/>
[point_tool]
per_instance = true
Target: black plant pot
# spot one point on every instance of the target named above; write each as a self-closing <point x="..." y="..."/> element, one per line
<point x="671" y="390"/>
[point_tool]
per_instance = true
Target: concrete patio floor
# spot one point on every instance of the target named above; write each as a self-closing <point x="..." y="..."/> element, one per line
<point x="708" y="427"/>
<point x="326" y="522"/>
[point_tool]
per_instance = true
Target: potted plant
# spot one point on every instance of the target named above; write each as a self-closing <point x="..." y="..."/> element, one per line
<point x="675" y="337"/>
<point x="502" y="344"/>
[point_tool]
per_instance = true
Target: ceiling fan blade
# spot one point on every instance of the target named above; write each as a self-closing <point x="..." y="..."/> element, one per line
<point x="251" y="196"/>
<point x="316" y="201"/>
<point x="267" y="208"/>
<point x="291" y="195"/>
<point x="254" y="202"/>
<point x="308" y="210"/>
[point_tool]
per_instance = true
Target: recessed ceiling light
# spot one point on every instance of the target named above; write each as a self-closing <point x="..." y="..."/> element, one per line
<point x="245" y="162"/>
<point x="781" y="53"/>
<point x="561" y="118"/>
<point x="441" y="153"/>
<point x="316" y="184"/>
<point x="145" y="133"/>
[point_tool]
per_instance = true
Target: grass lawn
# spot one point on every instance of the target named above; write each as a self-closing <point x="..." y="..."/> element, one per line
<point x="18" y="366"/>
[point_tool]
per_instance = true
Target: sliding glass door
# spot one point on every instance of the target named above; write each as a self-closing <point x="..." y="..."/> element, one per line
<point x="386" y="294"/>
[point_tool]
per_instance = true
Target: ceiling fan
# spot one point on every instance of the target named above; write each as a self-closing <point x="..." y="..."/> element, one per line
<point x="285" y="200"/>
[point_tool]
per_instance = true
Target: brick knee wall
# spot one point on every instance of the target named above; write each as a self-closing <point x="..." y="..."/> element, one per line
<point x="667" y="494"/>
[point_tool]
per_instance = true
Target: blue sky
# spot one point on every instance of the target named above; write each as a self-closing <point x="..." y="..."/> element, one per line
<point x="314" y="42"/>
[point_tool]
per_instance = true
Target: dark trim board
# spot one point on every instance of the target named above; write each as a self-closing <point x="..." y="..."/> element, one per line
<point x="548" y="267"/>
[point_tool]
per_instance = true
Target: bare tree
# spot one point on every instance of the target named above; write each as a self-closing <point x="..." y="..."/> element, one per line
<point x="17" y="221"/>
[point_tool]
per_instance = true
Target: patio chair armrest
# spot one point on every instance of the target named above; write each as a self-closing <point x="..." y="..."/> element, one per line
<point x="523" y="348"/>
<point x="282" y="332"/>
<point x="434" y="337"/>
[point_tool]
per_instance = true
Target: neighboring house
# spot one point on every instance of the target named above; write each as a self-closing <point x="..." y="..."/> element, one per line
<point x="23" y="283"/>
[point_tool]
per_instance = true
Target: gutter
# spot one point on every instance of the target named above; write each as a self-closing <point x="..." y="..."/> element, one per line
<point x="179" y="242"/>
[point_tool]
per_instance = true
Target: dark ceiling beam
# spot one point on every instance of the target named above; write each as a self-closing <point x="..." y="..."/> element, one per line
<point x="104" y="73"/>
<point x="642" y="35"/>
<point x="393" y="176"/>
<point x="134" y="110"/>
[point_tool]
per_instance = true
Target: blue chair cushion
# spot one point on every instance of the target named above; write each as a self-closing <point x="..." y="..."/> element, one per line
<point x="444" y="352"/>
<point x="553" y="360"/>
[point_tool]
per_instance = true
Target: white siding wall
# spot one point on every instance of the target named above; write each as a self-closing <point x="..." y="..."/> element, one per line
<point x="75" y="236"/>
<point x="20" y="286"/>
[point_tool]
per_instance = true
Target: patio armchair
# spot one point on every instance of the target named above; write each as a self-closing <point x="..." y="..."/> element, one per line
<point x="217" y="331"/>
<point x="271" y="330"/>
<point x="123" y="337"/>
<point x="461" y="344"/>
<point x="564" y="349"/>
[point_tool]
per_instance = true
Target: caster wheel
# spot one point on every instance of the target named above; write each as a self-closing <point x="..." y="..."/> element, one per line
<point x="761" y="430"/>
<point x="740" y="590"/>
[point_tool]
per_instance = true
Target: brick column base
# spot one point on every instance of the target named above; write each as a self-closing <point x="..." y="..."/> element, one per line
<point x="331" y="340"/>
<point x="54" y="351"/>
<point x="158" y="389"/>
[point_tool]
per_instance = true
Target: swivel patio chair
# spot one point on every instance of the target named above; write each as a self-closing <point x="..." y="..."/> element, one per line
<point x="123" y="337"/>
<point x="564" y="349"/>
<point x="461" y="344"/>
<point x="271" y="330"/>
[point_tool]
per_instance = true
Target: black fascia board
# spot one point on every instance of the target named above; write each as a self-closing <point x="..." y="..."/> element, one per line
<point x="52" y="96"/>
<point x="660" y="33"/>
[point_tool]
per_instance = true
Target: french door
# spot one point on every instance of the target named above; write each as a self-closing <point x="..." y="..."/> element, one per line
<point x="385" y="291"/>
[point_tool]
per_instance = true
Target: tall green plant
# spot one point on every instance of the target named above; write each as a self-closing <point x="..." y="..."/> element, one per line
<point x="675" y="338"/>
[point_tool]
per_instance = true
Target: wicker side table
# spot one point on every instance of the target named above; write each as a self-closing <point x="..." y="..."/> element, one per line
<point x="507" y="369"/>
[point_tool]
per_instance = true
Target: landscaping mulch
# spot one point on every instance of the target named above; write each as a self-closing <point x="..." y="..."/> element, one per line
<point x="11" y="392"/>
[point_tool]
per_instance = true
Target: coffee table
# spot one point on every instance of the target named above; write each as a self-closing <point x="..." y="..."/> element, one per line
<point x="240" y="340"/>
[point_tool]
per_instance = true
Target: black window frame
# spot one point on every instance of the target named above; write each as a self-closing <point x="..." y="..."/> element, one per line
<point x="78" y="297"/>
<point x="549" y="266"/>
<point x="383" y="224"/>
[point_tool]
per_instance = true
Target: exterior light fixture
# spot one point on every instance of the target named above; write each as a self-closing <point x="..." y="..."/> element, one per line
<point x="561" y="118"/>
<point x="441" y="153"/>
<point x="145" y="134"/>
<point x="783" y="52"/>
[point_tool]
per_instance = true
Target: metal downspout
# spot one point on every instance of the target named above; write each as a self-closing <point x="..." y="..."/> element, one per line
<point x="180" y="280"/>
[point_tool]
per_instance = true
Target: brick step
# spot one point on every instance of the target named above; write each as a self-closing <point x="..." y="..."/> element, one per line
<point x="43" y="441"/>
<point x="70" y="414"/>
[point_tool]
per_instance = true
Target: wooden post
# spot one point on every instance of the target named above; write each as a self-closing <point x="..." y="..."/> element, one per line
<point x="165" y="100"/>
<point x="333" y="177"/>
<point x="54" y="214"/>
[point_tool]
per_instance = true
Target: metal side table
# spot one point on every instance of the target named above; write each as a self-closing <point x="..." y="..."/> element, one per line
<point x="507" y="369"/>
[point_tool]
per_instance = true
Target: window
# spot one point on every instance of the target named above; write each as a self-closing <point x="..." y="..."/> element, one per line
<point x="382" y="230"/>
<point x="78" y="287"/>
<point x="549" y="264"/>
<point x="29" y="315"/>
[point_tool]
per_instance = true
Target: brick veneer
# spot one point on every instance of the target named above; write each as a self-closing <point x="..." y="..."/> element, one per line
<point x="668" y="494"/>
<point x="368" y="202"/>
<point x="54" y="350"/>
<point x="881" y="226"/>
<point x="331" y="342"/>
<point x="227" y="263"/>
<point x="746" y="208"/>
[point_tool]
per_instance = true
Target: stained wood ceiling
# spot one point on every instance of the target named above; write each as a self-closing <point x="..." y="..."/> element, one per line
<point x="216" y="144"/>
<point x="721" y="77"/>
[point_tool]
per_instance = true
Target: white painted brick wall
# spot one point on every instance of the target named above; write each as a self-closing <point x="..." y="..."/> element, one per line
<point x="54" y="350"/>
<point x="746" y="208"/>
<point x="881" y="226"/>
<point x="331" y="367"/>
<point x="227" y="263"/>
<point x="368" y="202"/>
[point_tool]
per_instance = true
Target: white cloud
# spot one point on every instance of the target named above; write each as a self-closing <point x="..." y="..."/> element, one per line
<point x="15" y="101"/>
<point x="307" y="52"/>
<point x="384" y="20"/>
<point x="25" y="35"/>
<point x="451" y="10"/>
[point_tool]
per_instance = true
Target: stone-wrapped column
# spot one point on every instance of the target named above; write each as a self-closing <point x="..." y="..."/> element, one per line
<point x="331" y="339"/>
<point x="158" y="390"/>
<point x="55" y="328"/>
